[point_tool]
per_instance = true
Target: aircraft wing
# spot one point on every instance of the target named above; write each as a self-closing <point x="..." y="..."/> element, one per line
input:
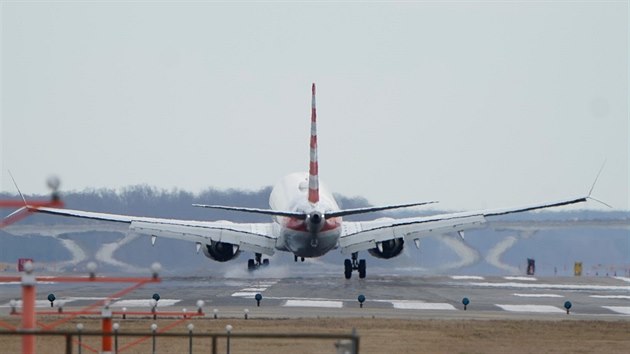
<point x="364" y="235"/>
<point x="253" y="237"/>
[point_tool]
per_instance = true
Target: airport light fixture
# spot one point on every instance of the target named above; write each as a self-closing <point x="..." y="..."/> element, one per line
<point x="91" y="267"/>
<point x="465" y="302"/>
<point x="567" y="306"/>
<point x="155" y="269"/>
<point x="361" y="299"/>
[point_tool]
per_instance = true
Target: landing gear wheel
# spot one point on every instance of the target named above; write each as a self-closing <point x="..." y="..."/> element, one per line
<point x="265" y="262"/>
<point x="361" y="268"/>
<point x="350" y="265"/>
<point x="251" y="265"/>
<point x="347" y="264"/>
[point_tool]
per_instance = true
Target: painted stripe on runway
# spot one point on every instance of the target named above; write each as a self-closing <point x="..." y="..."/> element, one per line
<point x="537" y="295"/>
<point x="619" y="309"/>
<point x="144" y="303"/>
<point x="610" y="296"/>
<point x="467" y="277"/>
<point x="418" y="305"/>
<point x="254" y="289"/>
<point x="313" y="303"/>
<point x="244" y="294"/>
<point x="552" y="286"/>
<point x="38" y="303"/>
<point x="521" y="278"/>
<point x="626" y="279"/>
<point x="532" y="308"/>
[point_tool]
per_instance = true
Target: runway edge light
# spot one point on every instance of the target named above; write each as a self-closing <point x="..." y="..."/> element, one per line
<point x="361" y="299"/>
<point x="567" y="305"/>
<point x="258" y="297"/>
<point x="465" y="301"/>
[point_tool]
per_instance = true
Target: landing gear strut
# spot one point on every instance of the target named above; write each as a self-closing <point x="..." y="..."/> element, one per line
<point x="295" y="258"/>
<point x="354" y="264"/>
<point x="253" y="264"/>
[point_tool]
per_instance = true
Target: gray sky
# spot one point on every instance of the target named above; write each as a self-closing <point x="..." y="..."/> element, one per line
<point x="477" y="104"/>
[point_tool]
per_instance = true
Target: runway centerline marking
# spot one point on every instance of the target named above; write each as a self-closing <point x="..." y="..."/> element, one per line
<point x="313" y="303"/>
<point x="531" y="308"/>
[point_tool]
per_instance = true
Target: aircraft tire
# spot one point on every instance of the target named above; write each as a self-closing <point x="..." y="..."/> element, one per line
<point x="251" y="265"/>
<point x="362" y="268"/>
<point x="347" y="265"/>
<point x="265" y="262"/>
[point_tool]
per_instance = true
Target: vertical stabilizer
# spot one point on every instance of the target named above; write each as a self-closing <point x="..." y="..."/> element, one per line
<point x="313" y="176"/>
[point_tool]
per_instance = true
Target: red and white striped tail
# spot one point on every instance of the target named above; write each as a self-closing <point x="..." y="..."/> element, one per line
<point x="313" y="177"/>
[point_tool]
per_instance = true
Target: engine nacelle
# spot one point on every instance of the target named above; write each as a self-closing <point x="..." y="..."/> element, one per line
<point x="388" y="249"/>
<point x="221" y="251"/>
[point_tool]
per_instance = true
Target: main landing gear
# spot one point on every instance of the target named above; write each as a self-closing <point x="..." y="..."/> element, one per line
<point x="295" y="258"/>
<point x="354" y="264"/>
<point x="253" y="264"/>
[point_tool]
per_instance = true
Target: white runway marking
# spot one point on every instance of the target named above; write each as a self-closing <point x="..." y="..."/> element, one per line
<point x="520" y="278"/>
<point x="538" y="295"/>
<point x="619" y="309"/>
<point x="532" y="308"/>
<point x="245" y="294"/>
<point x="254" y="289"/>
<point x="552" y="286"/>
<point x="313" y="303"/>
<point x="144" y="303"/>
<point x="38" y="303"/>
<point x="611" y="296"/>
<point x="466" y="277"/>
<point x="418" y="305"/>
<point x="623" y="278"/>
<point x="88" y="298"/>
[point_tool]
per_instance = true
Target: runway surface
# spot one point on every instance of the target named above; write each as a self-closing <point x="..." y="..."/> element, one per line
<point x="520" y="297"/>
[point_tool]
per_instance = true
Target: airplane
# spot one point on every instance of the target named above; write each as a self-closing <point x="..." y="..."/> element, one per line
<point x="306" y="221"/>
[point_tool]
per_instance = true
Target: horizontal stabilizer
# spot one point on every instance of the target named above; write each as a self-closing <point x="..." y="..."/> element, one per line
<point x="345" y="212"/>
<point x="288" y="214"/>
<point x="302" y="216"/>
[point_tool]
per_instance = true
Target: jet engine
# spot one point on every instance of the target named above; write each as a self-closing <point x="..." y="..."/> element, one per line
<point x="388" y="249"/>
<point x="221" y="251"/>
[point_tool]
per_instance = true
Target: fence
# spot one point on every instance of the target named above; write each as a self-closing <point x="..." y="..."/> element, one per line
<point x="347" y="343"/>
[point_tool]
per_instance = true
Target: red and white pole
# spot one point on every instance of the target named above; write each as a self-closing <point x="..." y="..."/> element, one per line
<point x="28" y="308"/>
<point x="106" y="315"/>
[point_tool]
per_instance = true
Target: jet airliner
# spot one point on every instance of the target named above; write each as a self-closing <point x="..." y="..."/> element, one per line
<point x="306" y="221"/>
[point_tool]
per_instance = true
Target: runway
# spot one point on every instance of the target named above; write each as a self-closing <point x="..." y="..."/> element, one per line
<point x="439" y="297"/>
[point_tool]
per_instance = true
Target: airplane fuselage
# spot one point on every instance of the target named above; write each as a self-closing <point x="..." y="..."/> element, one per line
<point x="310" y="237"/>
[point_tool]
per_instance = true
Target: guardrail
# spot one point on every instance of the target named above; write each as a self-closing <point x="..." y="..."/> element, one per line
<point x="72" y="337"/>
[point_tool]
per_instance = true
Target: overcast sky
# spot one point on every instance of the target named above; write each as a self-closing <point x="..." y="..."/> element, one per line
<point x="477" y="104"/>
